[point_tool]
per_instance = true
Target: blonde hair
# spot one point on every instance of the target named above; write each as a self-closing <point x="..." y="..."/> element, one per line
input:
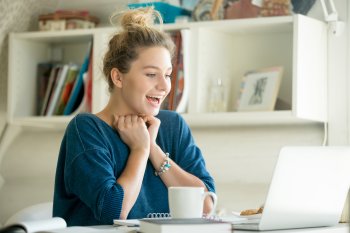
<point x="137" y="32"/>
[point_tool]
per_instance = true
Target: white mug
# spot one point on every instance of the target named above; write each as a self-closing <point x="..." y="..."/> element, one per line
<point x="187" y="202"/>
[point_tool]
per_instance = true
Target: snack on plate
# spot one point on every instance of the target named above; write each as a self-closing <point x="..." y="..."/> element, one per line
<point x="252" y="211"/>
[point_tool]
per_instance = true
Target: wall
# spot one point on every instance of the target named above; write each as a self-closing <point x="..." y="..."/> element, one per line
<point x="15" y="16"/>
<point x="242" y="169"/>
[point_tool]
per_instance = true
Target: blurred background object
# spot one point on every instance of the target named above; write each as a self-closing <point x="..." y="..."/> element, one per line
<point x="67" y="19"/>
<point x="275" y="8"/>
<point x="208" y="10"/>
<point x="168" y="11"/>
<point x="238" y="9"/>
<point x="302" y="7"/>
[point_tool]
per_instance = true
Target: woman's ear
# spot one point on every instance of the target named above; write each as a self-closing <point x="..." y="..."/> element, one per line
<point x="117" y="78"/>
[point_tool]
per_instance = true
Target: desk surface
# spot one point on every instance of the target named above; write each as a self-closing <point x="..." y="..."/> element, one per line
<point x="341" y="228"/>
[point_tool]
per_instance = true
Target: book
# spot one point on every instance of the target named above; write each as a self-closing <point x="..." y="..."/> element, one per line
<point x="78" y="85"/>
<point x="59" y="225"/>
<point x="43" y="77"/>
<point x="190" y="225"/>
<point x="88" y="89"/>
<point x="178" y="96"/>
<point x="81" y="104"/>
<point x="49" y="88"/>
<point x="136" y="222"/>
<point x="56" y="91"/>
<point x="84" y="99"/>
<point x="67" y="89"/>
<point x="174" y="77"/>
<point x="35" y="225"/>
<point x="126" y="222"/>
<point x="183" y="86"/>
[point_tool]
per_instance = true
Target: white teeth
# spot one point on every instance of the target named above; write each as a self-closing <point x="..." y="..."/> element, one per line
<point x="156" y="97"/>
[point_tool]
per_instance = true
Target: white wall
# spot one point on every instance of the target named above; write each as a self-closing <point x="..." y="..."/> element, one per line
<point x="241" y="159"/>
<point x="28" y="169"/>
<point x="242" y="170"/>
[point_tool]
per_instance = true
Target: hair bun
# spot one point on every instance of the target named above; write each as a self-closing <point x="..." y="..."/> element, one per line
<point x="144" y="17"/>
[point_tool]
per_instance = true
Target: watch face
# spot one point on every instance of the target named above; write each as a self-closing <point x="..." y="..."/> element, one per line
<point x="202" y="11"/>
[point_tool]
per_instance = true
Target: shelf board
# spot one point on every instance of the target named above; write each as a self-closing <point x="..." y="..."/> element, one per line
<point x="43" y="122"/>
<point x="261" y="24"/>
<point x="194" y="120"/>
<point x="249" y="25"/>
<point x="225" y="119"/>
<point x="57" y="36"/>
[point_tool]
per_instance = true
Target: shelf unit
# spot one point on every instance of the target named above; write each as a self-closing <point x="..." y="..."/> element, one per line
<point x="225" y="49"/>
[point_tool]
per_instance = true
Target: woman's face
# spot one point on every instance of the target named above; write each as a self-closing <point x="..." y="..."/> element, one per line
<point x="148" y="82"/>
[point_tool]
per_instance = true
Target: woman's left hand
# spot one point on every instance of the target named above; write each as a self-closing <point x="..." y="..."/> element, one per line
<point x="153" y="124"/>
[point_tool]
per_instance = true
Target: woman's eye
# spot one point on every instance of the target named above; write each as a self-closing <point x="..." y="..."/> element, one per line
<point x="168" y="76"/>
<point x="151" y="75"/>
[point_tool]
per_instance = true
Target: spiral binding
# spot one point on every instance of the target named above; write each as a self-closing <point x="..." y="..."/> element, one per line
<point x="158" y="215"/>
<point x="168" y="215"/>
<point x="212" y="217"/>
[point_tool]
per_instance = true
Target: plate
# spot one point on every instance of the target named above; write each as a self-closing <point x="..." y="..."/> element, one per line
<point x="253" y="216"/>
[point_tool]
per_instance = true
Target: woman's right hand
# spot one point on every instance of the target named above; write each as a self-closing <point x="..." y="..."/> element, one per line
<point x="133" y="131"/>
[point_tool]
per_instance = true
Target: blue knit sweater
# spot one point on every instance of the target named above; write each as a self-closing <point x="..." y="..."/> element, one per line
<point x="92" y="157"/>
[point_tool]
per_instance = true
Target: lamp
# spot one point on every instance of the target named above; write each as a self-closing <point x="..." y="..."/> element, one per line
<point x="336" y="27"/>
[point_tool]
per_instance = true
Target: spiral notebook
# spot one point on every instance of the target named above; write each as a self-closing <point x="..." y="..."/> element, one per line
<point x="187" y="225"/>
<point x="136" y="222"/>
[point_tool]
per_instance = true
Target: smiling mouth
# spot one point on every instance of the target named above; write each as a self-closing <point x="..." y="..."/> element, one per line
<point x="153" y="99"/>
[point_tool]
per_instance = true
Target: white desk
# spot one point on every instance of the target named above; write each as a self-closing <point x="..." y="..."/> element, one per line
<point x="341" y="228"/>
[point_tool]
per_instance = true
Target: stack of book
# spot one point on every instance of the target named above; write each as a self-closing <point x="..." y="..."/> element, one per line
<point x="191" y="225"/>
<point x="177" y="98"/>
<point x="63" y="89"/>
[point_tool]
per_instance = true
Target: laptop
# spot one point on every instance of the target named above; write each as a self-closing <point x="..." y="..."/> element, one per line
<point x="308" y="189"/>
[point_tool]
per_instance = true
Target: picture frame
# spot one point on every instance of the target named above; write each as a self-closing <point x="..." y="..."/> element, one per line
<point x="259" y="89"/>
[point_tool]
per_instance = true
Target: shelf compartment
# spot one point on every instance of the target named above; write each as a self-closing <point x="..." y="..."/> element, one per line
<point x="224" y="49"/>
<point x="26" y="51"/>
<point x="228" y="49"/>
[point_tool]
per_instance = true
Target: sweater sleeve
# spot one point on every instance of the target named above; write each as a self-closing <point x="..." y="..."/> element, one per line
<point x="90" y="176"/>
<point x="189" y="157"/>
<point x="89" y="172"/>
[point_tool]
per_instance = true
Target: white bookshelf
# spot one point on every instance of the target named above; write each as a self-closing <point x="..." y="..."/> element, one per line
<point x="226" y="48"/>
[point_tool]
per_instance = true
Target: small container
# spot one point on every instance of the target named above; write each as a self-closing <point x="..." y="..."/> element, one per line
<point x="217" y="101"/>
<point x="168" y="11"/>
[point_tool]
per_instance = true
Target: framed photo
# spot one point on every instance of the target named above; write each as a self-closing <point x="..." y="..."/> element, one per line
<point x="259" y="89"/>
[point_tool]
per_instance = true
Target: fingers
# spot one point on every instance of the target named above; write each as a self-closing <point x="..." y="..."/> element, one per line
<point x="150" y="120"/>
<point x="124" y="122"/>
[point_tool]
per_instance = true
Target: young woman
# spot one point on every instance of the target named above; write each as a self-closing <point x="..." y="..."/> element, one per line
<point x="118" y="163"/>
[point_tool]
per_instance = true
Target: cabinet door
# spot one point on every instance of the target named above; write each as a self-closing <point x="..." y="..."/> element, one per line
<point x="310" y="69"/>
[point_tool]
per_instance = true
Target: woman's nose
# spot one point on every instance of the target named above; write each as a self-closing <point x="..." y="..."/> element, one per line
<point x="164" y="83"/>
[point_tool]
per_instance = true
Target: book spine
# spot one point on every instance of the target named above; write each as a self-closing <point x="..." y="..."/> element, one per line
<point x="177" y="41"/>
<point x="67" y="88"/>
<point x="184" y="84"/>
<point x="57" y="90"/>
<point x="53" y="77"/>
<point x="43" y="78"/>
<point x="78" y="85"/>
